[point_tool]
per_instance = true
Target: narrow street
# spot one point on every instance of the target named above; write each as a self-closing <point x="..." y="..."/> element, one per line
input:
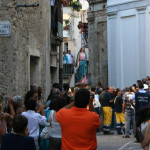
<point x="116" y="142"/>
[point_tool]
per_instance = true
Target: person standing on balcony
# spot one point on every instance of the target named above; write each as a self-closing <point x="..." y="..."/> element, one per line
<point x="82" y="65"/>
<point x="70" y="57"/>
<point x="65" y="58"/>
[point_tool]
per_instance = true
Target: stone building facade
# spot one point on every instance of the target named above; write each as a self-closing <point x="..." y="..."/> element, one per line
<point x="25" y="54"/>
<point x="97" y="37"/>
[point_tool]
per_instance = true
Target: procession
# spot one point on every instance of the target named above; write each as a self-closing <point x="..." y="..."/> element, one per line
<point x="74" y="75"/>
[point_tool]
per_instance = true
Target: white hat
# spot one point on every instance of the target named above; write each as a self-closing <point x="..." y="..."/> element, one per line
<point x="145" y="87"/>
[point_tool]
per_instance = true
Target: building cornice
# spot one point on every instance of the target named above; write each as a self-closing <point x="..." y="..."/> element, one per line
<point x="91" y="20"/>
<point x="141" y="8"/>
<point x="129" y="5"/>
<point x="92" y="2"/>
<point x="97" y="13"/>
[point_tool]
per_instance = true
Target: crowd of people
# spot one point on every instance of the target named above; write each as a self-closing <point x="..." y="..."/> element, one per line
<point x="22" y="120"/>
<point x="74" y="115"/>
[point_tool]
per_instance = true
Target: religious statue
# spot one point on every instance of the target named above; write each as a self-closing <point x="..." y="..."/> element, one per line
<point x="82" y="66"/>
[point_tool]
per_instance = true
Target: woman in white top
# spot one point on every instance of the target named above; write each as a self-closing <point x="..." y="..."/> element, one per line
<point x="55" y="136"/>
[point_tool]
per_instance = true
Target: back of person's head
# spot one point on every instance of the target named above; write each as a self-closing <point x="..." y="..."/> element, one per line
<point x="117" y="91"/>
<point x="147" y="78"/>
<point x="58" y="103"/>
<point x="93" y="89"/>
<point x="131" y="89"/>
<point x="30" y="94"/>
<point x="66" y="86"/>
<point x="134" y="85"/>
<point x="140" y="84"/>
<point x="82" y="98"/>
<point x="30" y="104"/>
<point x="53" y="93"/>
<point x="57" y="86"/>
<point x="33" y="87"/>
<point x="107" y="88"/>
<point x="144" y="81"/>
<point x="144" y="115"/>
<point x="138" y="81"/>
<point x="99" y="84"/>
<point x="126" y="89"/>
<point x="98" y="92"/>
<point x="20" y="123"/>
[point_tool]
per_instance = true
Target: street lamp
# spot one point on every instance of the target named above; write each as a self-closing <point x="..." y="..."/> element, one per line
<point x="85" y="4"/>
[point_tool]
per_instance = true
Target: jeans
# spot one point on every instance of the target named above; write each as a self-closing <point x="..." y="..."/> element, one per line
<point x="128" y="117"/>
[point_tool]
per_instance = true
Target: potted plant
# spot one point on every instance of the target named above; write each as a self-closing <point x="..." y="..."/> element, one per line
<point x="67" y="22"/>
<point x="76" y="5"/>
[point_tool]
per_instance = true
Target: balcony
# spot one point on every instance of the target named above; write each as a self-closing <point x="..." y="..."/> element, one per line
<point x="68" y="70"/>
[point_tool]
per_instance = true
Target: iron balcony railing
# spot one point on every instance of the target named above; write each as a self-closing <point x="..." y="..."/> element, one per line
<point x="68" y="70"/>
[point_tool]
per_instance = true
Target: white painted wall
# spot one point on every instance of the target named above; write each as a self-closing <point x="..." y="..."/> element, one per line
<point x="128" y="43"/>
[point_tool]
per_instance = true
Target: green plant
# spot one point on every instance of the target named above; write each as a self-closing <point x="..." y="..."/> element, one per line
<point x="67" y="21"/>
<point x="76" y="5"/>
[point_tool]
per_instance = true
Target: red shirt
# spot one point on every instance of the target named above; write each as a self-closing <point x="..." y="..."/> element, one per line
<point x="78" y="127"/>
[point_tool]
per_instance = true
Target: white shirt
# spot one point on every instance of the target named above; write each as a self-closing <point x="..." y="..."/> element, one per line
<point x="55" y="127"/>
<point x="70" y="60"/>
<point x="96" y="103"/>
<point x="52" y="2"/>
<point x="34" y="120"/>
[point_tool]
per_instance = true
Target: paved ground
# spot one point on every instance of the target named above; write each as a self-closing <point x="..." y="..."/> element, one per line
<point x="116" y="142"/>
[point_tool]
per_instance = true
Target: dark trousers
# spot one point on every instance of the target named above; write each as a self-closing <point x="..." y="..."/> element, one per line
<point x="137" y="137"/>
<point x="113" y="121"/>
<point x="54" y="143"/>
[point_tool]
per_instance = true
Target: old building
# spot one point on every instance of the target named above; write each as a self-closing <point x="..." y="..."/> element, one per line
<point x="72" y="35"/>
<point x="29" y="45"/>
<point x="97" y="37"/>
<point x="128" y="41"/>
<point x="56" y="54"/>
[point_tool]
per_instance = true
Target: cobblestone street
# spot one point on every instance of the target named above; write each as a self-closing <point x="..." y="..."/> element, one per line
<point x="116" y="142"/>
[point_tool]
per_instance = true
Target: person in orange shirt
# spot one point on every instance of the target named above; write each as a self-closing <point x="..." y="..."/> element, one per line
<point x="78" y="125"/>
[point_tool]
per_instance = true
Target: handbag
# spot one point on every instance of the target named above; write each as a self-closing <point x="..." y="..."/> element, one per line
<point x="46" y="132"/>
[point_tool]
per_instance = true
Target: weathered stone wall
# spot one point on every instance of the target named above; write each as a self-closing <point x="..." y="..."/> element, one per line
<point x="98" y="61"/>
<point x="30" y="36"/>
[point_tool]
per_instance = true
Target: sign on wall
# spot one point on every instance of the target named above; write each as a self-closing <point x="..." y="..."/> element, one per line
<point x="5" y="29"/>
